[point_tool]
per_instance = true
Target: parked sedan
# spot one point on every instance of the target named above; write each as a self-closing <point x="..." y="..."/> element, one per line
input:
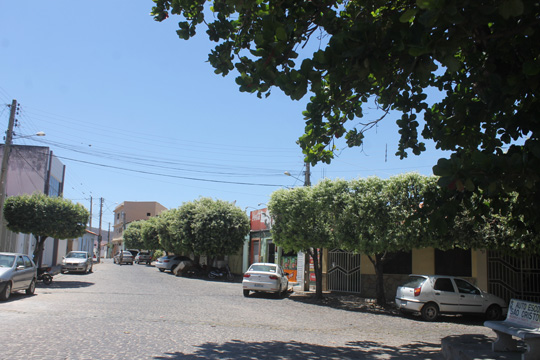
<point x="432" y="295"/>
<point x="123" y="257"/>
<point x="17" y="272"/>
<point x="265" y="277"/>
<point x="170" y="262"/>
<point x="79" y="261"/>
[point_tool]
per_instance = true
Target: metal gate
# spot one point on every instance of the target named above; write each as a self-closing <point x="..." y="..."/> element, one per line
<point x="514" y="277"/>
<point x="344" y="271"/>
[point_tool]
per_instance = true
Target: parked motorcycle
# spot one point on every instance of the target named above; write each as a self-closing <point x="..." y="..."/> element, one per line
<point x="44" y="274"/>
<point x="221" y="273"/>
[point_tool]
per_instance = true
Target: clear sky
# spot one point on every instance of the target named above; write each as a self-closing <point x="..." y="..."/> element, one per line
<point x="136" y="114"/>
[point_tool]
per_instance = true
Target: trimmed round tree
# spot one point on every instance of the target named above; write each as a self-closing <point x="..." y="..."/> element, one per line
<point x="44" y="217"/>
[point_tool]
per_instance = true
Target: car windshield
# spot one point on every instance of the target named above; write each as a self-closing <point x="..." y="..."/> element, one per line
<point x="414" y="282"/>
<point x="267" y="268"/>
<point x="7" y="260"/>
<point x="76" y="255"/>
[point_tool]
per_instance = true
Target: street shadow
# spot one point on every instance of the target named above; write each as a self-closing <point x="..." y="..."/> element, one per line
<point x="355" y="303"/>
<point x="65" y="284"/>
<point x="480" y="344"/>
<point x="236" y="349"/>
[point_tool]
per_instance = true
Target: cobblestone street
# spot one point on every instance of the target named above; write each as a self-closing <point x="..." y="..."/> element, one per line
<point x="136" y="312"/>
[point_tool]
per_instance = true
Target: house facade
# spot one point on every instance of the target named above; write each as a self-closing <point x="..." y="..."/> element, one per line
<point x="130" y="211"/>
<point x="33" y="169"/>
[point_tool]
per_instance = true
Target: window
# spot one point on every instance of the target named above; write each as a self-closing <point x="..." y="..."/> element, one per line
<point x="148" y="214"/>
<point x="465" y="287"/>
<point x="444" y="284"/>
<point x="399" y="263"/>
<point x="456" y="262"/>
<point x="20" y="261"/>
<point x="27" y="262"/>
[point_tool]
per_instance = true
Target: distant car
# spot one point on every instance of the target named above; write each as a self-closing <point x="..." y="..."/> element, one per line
<point x="432" y="295"/>
<point x="123" y="257"/>
<point x="77" y="261"/>
<point x="265" y="277"/>
<point x="170" y="262"/>
<point x="143" y="257"/>
<point x="133" y="252"/>
<point x="17" y="272"/>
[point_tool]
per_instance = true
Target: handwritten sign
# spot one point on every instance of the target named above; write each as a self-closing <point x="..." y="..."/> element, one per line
<point x="524" y="313"/>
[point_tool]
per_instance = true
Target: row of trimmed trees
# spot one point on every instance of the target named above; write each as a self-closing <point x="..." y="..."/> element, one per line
<point x="379" y="217"/>
<point x="202" y="227"/>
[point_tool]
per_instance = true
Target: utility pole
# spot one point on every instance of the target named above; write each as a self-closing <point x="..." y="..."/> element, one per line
<point x="5" y="164"/>
<point x="90" y="224"/>
<point x="307" y="177"/>
<point x="99" y="231"/>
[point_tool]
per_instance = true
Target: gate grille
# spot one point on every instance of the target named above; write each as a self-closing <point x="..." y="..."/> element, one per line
<point x="344" y="271"/>
<point x="514" y="277"/>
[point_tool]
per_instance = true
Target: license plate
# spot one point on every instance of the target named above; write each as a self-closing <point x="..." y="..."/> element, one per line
<point x="403" y="303"/>
<point x="258" y="285"/>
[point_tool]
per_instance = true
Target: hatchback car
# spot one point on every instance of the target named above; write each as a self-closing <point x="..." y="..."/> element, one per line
<point x="432" y="295"/>
<point x="143" y="257"/>
<point x="17" y="272"/>
<point x="265" y="277"/>
<point x="79" y="261"/>
<point x="123" y="257"/>
<point x="170" y="262"/>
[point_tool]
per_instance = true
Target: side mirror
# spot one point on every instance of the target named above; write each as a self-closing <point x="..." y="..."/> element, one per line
<point x="20" y="267"/>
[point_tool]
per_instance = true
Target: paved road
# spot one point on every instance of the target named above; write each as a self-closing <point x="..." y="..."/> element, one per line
<point x="136" y="312"/>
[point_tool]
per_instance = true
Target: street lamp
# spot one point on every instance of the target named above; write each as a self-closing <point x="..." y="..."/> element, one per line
<point x="39" y="133"/>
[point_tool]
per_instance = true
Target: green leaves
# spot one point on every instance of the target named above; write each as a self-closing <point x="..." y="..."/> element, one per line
<point x="478" y="59"/>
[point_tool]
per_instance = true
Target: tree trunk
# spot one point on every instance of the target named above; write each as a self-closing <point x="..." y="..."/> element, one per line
<point x="316" y="254"/>
<point x="377" y="262"/>
<point x="40" y="242"/>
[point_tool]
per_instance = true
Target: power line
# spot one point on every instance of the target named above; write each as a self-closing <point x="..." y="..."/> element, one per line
<point x="166" y="175"/>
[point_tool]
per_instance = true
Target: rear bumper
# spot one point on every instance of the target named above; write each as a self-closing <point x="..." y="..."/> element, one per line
<point x="408" y="305"/>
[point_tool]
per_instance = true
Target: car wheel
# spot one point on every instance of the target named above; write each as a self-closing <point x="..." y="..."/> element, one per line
<point x="162" y="270"/>
<point x="31" y="288"/>
<point x="246" y="293"/>
<point x="47" y="279"/>
<point x="493" y="312"/>
<point x="430" y="312"/>
<point x="4" y="295"/>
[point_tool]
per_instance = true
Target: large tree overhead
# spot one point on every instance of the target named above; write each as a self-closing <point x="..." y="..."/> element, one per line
<point x="44" y="217"/>
<point x="480" y="57"/>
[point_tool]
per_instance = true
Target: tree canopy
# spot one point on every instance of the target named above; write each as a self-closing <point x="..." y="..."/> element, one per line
<point x="463" y="74"/>
<point x="208" y="227"/>
<point x="45" y="216"/>
<point x="133" y="235"/>
<point x="303" y="222"/>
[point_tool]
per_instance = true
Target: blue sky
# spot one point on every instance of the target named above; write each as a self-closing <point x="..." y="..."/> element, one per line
<point x="137" y="114"/>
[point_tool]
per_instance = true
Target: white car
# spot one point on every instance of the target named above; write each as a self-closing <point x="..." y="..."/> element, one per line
<point x="17" y="272"/>
<point x="265" y="277"/>
<point x="79" y="261"/>
<point x="432" y="295"/>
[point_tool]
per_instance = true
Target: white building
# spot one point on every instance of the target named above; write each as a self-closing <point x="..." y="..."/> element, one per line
<point x="33" y="169"/>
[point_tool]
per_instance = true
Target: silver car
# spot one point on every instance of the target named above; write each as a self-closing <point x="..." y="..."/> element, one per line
<point x="432" y="295"/>
<point x="17" y="272"/>
<point x="265" y="277"/>
<point x="79" y="261"/>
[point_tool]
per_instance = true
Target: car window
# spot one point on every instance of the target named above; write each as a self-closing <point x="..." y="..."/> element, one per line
<point x="6" y="260"/>
<point x="20" y="261"/>
<point x="268" y="268"/>
<point x="465" y="287"/>
<point x="27" y="262"/>
<point x="76" y="255"/>
<point x="444" y="284"/>
<point x="414" y="282"/>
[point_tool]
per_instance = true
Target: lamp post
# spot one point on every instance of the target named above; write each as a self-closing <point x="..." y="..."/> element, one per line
<point x="307" y="176"/>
